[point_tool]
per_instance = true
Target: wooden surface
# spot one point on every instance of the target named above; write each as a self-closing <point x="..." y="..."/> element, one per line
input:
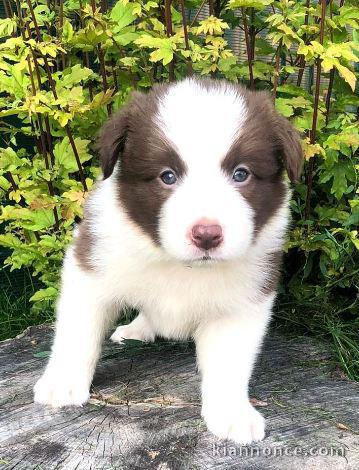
<point x="145" y="411"/>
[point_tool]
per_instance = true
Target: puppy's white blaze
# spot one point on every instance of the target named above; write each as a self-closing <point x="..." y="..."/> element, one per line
<point x="201" y="124"/>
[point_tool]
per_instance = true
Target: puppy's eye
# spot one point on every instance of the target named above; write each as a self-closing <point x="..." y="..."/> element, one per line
<point x="168" y="177"/>
<point x="240" y="175"/>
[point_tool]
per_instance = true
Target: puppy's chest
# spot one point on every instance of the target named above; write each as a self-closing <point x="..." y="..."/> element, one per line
<point x="177" y="300"/>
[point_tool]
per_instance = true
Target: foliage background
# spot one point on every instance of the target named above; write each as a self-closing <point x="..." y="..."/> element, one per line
<point x="66" y="65"/>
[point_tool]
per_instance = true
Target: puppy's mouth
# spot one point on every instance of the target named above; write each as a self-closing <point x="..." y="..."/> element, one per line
<point x="206" y="256"/>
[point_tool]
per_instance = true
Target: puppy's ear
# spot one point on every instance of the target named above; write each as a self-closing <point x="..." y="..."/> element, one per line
<point x="285" y="138"/>
<point x="113" y="135"/>
<point x="112" y="140"/>
<point x="289" y="146"/>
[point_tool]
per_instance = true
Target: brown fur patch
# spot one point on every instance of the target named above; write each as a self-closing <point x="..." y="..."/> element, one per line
<point x="83" y="245"/>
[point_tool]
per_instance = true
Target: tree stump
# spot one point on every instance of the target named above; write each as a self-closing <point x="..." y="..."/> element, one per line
<point x="145" y="411"/>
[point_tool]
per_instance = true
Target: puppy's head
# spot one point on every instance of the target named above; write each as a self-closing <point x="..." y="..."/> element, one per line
<point x="201" y="165"/>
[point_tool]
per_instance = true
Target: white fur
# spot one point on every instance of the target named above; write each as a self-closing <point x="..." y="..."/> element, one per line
<point x="140" y="329"/>
<point x="227" y="348"/>
<point x="218" y="303"/>
<point x="201" y="123"/>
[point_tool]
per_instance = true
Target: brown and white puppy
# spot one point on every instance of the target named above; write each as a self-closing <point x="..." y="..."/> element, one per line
<point x="187" y="226"/>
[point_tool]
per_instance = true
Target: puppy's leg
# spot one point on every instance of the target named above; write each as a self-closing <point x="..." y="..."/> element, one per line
<point x="139" y="328"/>
<point x="226" y="350"/>
<point x="83" y="316"/>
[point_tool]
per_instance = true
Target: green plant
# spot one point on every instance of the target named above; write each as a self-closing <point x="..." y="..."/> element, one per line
<point x="65" y="66"/>
<point x="16" y="310"/>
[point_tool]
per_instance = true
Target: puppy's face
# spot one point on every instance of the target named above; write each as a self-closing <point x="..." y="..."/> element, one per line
<point x="201" y="166"/>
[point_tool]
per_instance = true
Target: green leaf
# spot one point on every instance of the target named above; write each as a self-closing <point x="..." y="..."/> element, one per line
<point x="164" y="48"/>
<point x="101" y="99"/>
<point x="356" y="42"/>
<point x="49" y="293"/>
<point x="225" y="65"/>
<point x="89" y="37"/>
<point x="7" y="27"/>
<point x="67" y="31"/>
<point x="348" y="75"/>
<point x="284" y="107"/>
<point x="122" y="15"/>
<point x="9" y="160"/>
<point x="43" y="14"/>
<point x="262" y="70"/>
<point x="30" y="219"/>
<point x="125" y="37"/>
<point x="74" y="75"/>
<point x="257" y="4"/>
<point x="339" y="173"/>
<point x="300" y="102"/>
<point x="263" y="47"/>
<point x="4" y="184"/>
<point x="39" y="219"/>
<point x="9" y="240"/>
<point x="41" y="354"/>
<point x="11" y="111"/>
<point x="294" y="90"/>
<point x="164" y="53"/>
<point x="146" y="40"/>
<point x="65" y="157"/>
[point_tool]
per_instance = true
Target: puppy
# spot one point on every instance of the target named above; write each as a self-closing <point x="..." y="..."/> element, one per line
<point x="187" y="226"/>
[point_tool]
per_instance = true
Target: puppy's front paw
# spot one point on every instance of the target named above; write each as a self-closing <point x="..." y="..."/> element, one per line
<point x="139" y="329"/>
<point x="242" y="425"/>
<point x="124" y="332"/>
<point x="59" y="390"/>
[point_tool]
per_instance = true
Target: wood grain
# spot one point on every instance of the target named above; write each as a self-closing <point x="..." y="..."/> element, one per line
<point x="145" y="411"/>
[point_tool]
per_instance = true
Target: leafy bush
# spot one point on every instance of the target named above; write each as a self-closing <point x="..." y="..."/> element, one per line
<point x="64" y="70"/>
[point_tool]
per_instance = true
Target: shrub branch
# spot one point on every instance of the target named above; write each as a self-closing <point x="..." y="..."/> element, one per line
<point x="312" y="136"/>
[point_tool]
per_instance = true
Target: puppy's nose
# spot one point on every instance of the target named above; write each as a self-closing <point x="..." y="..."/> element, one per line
<point x="207" y="236"/>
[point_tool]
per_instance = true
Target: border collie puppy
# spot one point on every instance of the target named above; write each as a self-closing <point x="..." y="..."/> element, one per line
<point x="187" y="226"/>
